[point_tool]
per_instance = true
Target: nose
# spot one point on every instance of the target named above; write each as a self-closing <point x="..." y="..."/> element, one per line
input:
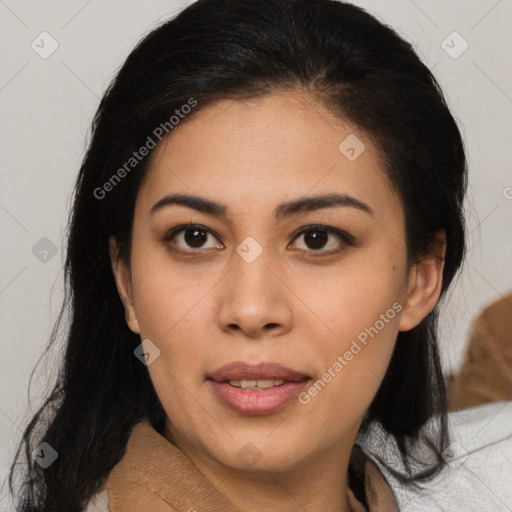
<point x="254" y="298"/>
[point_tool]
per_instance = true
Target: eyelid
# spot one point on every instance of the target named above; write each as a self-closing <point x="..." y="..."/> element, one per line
<point x="183" y="227"/>
<point x="347" y="238"/>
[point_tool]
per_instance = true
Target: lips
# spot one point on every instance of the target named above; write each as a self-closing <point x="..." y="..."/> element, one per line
<point x="239" y="370"/>
<point x="276" y="386"/>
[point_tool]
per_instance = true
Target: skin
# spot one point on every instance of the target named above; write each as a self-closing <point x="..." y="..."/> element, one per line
<point x="206" y="308"/>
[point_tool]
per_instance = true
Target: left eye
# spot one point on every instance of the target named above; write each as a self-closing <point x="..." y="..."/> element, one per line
<point x="315" y="237"/>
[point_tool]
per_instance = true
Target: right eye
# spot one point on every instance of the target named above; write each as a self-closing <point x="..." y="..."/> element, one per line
<point x="191" y="236"/>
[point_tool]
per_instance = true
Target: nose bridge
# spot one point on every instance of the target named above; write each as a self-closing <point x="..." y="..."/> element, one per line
<point x="251" y="262"/>
<point x="252" y="297"/>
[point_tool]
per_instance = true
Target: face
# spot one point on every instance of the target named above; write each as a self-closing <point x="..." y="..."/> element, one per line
<point x="321" y="289"/>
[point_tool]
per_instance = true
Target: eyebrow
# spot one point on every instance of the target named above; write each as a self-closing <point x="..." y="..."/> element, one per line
<point x="283" y="210"/>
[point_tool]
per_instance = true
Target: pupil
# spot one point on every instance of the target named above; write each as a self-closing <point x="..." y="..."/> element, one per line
<point x="197" y="237"/>
<point x="318" y="240"/>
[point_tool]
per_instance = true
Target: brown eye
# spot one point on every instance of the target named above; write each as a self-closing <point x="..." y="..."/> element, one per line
<point x="195" y="237"/>
<point x="191" y="237"/>
<point x="316" y="238"/>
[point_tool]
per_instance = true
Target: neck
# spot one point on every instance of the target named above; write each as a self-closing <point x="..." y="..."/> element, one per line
<point x="314" y="484"/>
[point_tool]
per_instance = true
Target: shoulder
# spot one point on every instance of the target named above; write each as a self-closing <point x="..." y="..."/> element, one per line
<point x="478" y="463"/>
<point x="500" y="307"/>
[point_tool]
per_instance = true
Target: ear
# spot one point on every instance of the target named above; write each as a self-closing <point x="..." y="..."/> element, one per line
<point x="425" y="280"/>
<point x="123" y="280"/>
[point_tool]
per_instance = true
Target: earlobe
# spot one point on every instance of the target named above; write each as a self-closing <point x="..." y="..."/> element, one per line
<point x="123" y="281"/>
<point x="425" y="281"/>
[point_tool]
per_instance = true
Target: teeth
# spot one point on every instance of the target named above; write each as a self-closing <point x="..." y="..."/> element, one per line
<point x="256" y="384"/>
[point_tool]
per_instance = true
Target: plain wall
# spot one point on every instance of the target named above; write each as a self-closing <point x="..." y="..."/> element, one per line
<point x="47" y="106"/>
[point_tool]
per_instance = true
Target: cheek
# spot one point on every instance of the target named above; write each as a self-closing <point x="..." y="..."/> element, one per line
<point x="163" y="296"/>
<point x="351" y="298"/>
<point x="359" y="309"/>
<point x="353" y="371"/>
<point x="170" y="310"/>
<point x="174" y="320"/>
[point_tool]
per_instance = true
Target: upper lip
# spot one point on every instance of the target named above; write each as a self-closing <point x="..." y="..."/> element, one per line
<point x="239" y="370"/>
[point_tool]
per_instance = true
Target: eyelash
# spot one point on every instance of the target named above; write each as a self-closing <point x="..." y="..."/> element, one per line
<point x="346" y="238"/>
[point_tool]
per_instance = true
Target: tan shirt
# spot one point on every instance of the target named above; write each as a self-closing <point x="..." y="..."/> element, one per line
<point x="156" y="476"/>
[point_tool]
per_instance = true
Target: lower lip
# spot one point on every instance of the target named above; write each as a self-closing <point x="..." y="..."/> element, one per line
<point x="257" y="402"/>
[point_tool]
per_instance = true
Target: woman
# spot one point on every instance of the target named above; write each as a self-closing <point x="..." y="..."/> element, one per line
<point x="268" y="213"/>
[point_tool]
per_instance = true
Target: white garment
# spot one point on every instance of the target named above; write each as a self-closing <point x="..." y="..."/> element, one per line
<point x="477" y="478"/>
<point x="98" y="503"/>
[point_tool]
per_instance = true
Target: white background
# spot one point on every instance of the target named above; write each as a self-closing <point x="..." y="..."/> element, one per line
<point x="46" y="107"/>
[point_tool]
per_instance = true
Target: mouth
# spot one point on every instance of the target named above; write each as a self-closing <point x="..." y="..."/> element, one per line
<point x="261" y="375"/>
<point x="256" y="389"/>
<point x="256" y="385"/>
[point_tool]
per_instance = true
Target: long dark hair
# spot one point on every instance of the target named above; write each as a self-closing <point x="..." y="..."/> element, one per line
<point x="365" y="73"/>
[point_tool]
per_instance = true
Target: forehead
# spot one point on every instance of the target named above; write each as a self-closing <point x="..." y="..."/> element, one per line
<point x="254" y="154"/>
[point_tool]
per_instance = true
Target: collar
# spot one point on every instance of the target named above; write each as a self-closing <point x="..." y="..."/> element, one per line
<point x="156" y="475"/>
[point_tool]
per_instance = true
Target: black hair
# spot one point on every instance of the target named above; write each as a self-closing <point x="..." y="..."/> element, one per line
<point x="365" y="73"/>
